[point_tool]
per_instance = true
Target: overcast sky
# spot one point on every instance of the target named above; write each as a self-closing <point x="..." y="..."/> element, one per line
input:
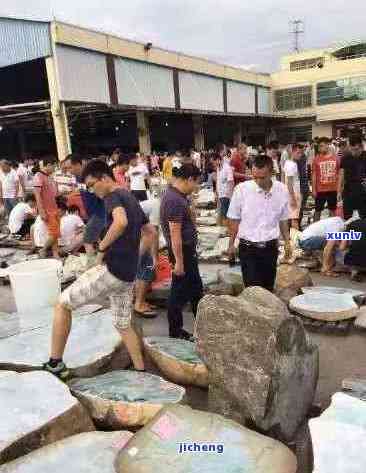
<point x="251" y="34"/>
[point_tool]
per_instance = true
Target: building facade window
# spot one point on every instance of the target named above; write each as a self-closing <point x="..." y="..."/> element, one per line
<point x="293" y="99"/>
<point x="307" y="64"/>
<point x="299" y="134"/>
<point x="342" y="90"/>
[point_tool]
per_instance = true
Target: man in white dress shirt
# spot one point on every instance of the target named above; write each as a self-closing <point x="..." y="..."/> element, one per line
<point x="258" y="213"/>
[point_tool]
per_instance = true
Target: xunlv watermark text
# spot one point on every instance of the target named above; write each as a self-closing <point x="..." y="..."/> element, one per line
<point x="344" y="236"/>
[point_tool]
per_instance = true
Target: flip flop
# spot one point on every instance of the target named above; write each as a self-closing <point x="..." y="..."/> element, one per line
<point x="147" y="314"/>
<point x="330" y="274"/>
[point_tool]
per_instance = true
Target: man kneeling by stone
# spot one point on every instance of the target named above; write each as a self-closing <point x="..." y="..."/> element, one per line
<point x="115" y="272"/>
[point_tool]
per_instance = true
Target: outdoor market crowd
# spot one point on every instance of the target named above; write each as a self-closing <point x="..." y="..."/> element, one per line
<point x="114" y="208"/>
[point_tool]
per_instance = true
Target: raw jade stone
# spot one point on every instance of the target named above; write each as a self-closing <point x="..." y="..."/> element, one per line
<point x="125" y="398"/>
<point x="289" y="280"/>
<point x="325" y="306"/>
<point x="93" y="341"/>
<point x="36" y="409"/>
<point x="339" y="436"/>
<point x="92" y="452"/>
<point x="177" y="360"/>
<point x="229" y="448"/>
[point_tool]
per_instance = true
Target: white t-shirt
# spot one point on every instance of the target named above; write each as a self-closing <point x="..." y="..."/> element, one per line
<point x="70" y="227"/>
<point x="17" y="216"/>
<point x="151" y="209"/>
<point x="225" y="177"/>
<point x="26" y="175"/>
<point x="9" y="184"/>
<point x="291" y="170"/>
<point x="40" y="232"/>
<point x="137" y="175"/>
<point x="322" y="227"/>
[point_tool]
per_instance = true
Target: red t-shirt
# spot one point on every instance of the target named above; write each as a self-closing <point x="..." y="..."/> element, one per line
<point x="48" y="188"/>
<point x="239" y="166"/>
<point x="326" y="168"/>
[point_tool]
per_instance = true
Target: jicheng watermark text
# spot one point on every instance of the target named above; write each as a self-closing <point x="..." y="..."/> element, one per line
<point x="344" y="236"/>
<point x="200" y="447"/>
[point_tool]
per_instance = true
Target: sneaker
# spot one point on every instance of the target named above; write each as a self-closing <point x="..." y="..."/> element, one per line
<point x="184" y="335"/>
<point x="60" y="370"/>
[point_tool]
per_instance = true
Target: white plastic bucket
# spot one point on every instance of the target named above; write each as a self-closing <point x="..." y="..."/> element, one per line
<point x="35" y="284"/>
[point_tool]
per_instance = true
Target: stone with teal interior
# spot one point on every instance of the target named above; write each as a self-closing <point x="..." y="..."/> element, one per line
<point x="121" y="399"/>
<point x="177" y="360"/>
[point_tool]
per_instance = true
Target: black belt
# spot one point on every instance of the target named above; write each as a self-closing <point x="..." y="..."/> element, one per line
<point x="259" y="244"/>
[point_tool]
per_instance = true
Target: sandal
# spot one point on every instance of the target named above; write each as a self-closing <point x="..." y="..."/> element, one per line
<point x="330" y="274"/>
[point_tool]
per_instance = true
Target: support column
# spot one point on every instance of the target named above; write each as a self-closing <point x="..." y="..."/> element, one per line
<point x="21" y="142"/>
<point x="238" y="135"/>
<point x="59" y="114"/>
<point x="143" y="131"/>
<point x="198" y="131"/>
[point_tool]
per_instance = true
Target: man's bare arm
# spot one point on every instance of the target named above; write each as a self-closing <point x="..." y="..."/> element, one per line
<point x="116" y="229"/>
<point x="177" y="246"/>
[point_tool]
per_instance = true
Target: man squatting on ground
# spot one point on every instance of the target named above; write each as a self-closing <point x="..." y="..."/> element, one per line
<point x="126" y="226"/>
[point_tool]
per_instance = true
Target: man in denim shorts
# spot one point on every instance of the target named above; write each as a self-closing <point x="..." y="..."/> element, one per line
<point x="115" y="272"/>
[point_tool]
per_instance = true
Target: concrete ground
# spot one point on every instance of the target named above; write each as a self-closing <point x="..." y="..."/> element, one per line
<point x="341" y="355"/>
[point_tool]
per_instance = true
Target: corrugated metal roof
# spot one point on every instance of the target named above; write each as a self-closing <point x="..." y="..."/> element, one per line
<point x="23" y="40"/>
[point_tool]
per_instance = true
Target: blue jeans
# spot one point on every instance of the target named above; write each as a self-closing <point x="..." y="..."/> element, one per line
<point x="312" y="243"/>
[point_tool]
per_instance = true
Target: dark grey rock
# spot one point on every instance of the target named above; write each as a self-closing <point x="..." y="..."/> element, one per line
<point x="36" y="409"/>
<point x="92" y="452"/>
<point x="261" y="364"/>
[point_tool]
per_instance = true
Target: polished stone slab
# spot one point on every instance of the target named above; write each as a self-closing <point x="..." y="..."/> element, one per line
<point x="92" y="343"/>
<point x="36" y="409"/>
<point x="92" y="452"/>
<point x="325" y="306"/>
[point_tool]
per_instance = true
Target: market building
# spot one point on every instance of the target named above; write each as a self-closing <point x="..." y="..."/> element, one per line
<point x="321" y="92"/>
<point x="67" y="88"/>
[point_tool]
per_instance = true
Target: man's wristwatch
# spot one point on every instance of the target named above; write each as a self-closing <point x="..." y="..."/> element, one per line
<point x="102" y="251"/>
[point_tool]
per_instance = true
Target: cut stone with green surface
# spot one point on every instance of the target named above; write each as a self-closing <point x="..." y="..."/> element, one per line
<point x="158" y="447"/>
<point x="177" y="360"/>
<point x="325" y="306"/>
<point x="92" y="343"/>
<point x="92" y="452"/>
<point x="125" y="398"/>
<point x="36" y="410"/>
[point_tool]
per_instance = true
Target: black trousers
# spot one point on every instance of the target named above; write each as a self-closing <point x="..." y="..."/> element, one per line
<point x="259" y="265"/>
<point x="304" y="200"/>
<point x="184" y="289"/>
<point x="354" y="201"/>
<point x="25" y="228"/>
